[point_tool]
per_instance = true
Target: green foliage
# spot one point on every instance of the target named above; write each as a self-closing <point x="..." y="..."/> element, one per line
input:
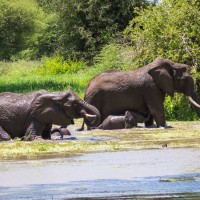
<point x="170" y="30"/>
<point x="178" y="108"/>
<point x="31" y="29"/>
<point x="114" y="56"/>
<point x="87" y="25"/>
<point x="58" y="65"/>
<point x="20" y="22"/>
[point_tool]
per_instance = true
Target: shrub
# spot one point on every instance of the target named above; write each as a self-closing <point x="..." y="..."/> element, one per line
<point x="178" y="108"/>
<point x="58" y="65"/>
<point x="170" y="30"/>
<point x="114" y="56"/>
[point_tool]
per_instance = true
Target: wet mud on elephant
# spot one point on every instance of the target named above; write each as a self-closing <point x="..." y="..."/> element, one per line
<point x="143" y="89"/>
<point x="33" y="114"/>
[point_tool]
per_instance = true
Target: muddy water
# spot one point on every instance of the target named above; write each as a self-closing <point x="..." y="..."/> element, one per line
<point x="158" y="173"/>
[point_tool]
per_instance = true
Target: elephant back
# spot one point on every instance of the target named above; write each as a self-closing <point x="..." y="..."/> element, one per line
<point x="15" y="109"/>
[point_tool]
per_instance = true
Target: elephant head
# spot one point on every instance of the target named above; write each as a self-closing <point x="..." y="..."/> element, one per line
<point x="61" y="108"/>
<point x="171" y="77"/>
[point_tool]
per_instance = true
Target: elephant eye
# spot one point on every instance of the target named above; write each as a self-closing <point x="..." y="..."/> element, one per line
<point x="75" y="104"/>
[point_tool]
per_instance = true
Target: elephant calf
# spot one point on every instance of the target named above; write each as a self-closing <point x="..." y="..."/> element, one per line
<point x="128" y="120"/>
<point x="60" y="132"/>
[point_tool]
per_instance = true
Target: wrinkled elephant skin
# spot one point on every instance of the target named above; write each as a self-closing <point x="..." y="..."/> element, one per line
<point x="33" y="114"/>
<point x="114" y="92"/>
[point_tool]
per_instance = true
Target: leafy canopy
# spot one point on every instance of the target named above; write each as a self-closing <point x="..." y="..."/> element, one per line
<point x="169" y="30"/>
<point x="20" y="23"/>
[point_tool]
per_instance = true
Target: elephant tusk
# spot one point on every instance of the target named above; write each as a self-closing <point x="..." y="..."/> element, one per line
<point x="193" y="102"/>
<point x="89" y="115"/>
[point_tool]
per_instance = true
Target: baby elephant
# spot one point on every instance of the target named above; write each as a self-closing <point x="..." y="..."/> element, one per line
<point x="128" y="120"/>
<point x="60" y="132"/>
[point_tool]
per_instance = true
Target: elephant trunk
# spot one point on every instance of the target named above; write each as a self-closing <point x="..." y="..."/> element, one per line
<point x="91" y="116"/>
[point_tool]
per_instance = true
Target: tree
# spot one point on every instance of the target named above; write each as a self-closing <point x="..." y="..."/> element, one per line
<point x="20" y="23"/>
<point x="169" y="30"/>
<point x="87" y="25"/>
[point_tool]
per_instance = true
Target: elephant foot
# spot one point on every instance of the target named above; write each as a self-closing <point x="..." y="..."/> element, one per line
<point x="4" y="136"/>
<point x="82" y="127"/>
<point x="152" y="126"/>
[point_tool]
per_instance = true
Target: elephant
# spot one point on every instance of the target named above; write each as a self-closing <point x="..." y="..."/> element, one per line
<point x="113" y="92"/>
<point x="127" y="120"/>
<point x="60" y="132"/>
<point x="30" y="115"/>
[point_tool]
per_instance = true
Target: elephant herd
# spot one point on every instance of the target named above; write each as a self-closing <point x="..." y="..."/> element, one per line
<point x="113" y="100"/>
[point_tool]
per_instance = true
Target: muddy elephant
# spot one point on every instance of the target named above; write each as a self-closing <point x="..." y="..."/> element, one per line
<point x="127" y="120"/>
<point x="30" y="115"/>
<point x="114" y="92"/>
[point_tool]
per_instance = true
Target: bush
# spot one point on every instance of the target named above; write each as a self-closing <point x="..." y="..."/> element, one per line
<point x="178" y="108"/>
<point x="114" y="56"/>
<point x="58" y="65"/>
<point x="170" y="30"/>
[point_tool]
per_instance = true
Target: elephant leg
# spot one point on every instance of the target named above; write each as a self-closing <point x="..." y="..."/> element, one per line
<point x="4" y="136"/>
<point x="149" y="122"/>
<point x="34" y="129"/>
<point x="156" y="108"/>
<point x="46" y="133"/>
<point x="82" y="127"/>
<point x="159" y="117"/>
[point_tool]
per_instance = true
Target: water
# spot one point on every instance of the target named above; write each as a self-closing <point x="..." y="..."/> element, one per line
<point x="164" y="172"/>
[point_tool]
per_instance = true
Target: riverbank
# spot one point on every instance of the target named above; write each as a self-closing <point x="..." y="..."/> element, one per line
<point x="178" y="135"/>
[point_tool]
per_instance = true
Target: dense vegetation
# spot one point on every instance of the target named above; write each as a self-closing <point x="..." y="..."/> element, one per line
<point x="54" y="45"/>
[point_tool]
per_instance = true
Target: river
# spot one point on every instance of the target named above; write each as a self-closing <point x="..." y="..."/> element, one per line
<point x="143" y="174"/>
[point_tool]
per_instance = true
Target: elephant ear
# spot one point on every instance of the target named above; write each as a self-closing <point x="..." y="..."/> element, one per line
<point x="163" y="79"/>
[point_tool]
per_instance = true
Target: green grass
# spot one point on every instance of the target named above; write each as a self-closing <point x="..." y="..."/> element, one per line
<point x="183" y="134"/>
<point x="38" y="82"/>
<point x="23" y="77"/>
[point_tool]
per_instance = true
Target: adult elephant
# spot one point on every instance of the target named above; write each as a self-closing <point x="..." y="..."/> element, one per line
<point x="143" y="89"/>
<point x="32" y="114"/>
